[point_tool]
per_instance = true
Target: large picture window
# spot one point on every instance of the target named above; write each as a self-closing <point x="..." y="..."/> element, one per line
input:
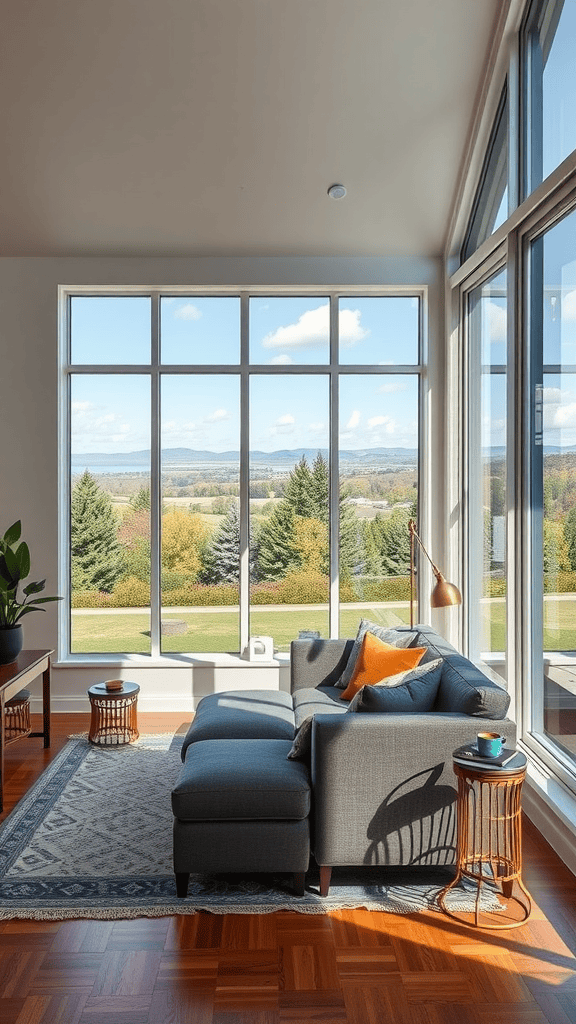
<point x="236" y="465"/>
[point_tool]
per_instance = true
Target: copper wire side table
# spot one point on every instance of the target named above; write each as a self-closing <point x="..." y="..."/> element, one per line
<point x="489" y="844"/>
<point x="113" y="719"/>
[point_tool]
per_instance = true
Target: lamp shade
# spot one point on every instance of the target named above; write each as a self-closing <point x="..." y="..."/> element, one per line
<point x="444" y="594"/>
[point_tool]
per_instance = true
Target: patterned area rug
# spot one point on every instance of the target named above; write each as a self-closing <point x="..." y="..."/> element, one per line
<point x="93" y="839"/>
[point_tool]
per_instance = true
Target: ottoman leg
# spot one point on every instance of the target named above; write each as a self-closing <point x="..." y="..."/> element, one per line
<point x="182" y="878"/>
<point x="298" y="882"/>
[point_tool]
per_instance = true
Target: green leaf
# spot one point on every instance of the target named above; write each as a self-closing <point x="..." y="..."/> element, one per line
<point x="35" y="588"/>
<point x="26" y="610"/>
<point x="23" y="559"/>
<point x="13" y="533"/>
<point x="9" y="567"/>
<point x="44" y="600"/>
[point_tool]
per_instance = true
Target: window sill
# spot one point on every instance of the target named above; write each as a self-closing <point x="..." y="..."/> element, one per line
<point x="182" y="661"/>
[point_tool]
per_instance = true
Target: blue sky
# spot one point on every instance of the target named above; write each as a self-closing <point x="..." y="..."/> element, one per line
<point x="112" y="413"/>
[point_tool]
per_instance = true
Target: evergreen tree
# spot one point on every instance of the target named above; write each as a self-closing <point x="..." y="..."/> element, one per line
<point x="222" y="560"/>
<point x="96" y="557"/>
<point x="299" y="491"/>
<point x="320" y="484"/>
<point x="570" y="536"/>
<point x="140" y="501"/>
<point x="276" y="553"/>
<point x="396" y="543"/>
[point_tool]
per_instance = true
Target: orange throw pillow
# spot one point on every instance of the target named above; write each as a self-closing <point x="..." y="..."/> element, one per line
<point x="377" y="660"/>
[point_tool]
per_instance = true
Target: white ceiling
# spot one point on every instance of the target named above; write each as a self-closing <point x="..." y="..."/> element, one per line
<point x="215" y="127"/>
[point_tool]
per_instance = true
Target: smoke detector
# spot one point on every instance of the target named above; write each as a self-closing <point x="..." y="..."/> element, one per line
<point x="337" y="191"/>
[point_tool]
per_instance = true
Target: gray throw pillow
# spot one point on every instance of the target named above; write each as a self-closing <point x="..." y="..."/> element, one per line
<point x="416" y="692"/>
<point x="302" y="744"/>
<point x="397" y="637"/>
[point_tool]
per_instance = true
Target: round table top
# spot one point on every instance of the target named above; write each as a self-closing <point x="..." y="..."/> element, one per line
<point x="518" y="764"/>
<point x="99" y="690"/>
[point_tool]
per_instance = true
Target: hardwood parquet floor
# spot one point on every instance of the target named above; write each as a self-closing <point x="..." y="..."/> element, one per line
<point x="352" y="967"/>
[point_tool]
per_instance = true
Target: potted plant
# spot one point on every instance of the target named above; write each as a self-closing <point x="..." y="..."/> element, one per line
<point x="15" y="567"/>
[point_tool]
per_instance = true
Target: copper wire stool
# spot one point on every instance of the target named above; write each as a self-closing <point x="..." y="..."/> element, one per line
<point x="113" y="719"/>
<point x="489" y="846"/>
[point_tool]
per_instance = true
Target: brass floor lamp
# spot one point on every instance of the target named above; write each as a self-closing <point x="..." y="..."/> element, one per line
<point x="443" y="594"/>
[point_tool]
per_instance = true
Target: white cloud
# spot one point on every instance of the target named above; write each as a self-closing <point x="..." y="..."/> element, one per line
<point x="283" y="425"/>
<point x="313" y="329"/>
<point x="316" y="428"/>
<point x="80" y="407"/>
<point x="217" y="416"/>
<point x="389" y="389"/>
<point x="353" y="421"/>
<point x="565" y="416"/>
<point x="350" y="330"/>
<point x="382" y="421"/>
<point x="188" y="312"/>
<point x="282" y="360"/>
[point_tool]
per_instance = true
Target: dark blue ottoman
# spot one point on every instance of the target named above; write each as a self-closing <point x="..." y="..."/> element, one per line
<point x="240" y="806"/>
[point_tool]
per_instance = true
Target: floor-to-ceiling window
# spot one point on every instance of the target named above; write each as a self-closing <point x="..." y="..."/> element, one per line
<point x="486" y="314"/>
<point x="237" y="464"/>
<point x="552" y="459"/>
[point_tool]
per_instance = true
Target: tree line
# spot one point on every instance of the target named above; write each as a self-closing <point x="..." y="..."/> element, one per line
<point x="291" y="538"/>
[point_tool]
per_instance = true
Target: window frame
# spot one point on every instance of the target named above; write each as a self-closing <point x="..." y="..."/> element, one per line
<point x="244" y="369"/>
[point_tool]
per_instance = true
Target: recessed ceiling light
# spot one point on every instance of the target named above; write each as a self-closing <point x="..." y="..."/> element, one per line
<point x="337" y="191"/>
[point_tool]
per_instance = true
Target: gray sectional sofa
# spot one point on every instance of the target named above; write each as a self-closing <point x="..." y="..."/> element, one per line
<point x="369" y="787"/>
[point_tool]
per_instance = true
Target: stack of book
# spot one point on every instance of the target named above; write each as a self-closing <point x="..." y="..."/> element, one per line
<point x="470" y="756"/>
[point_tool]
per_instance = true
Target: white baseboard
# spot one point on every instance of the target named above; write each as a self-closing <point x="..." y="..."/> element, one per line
<point x="560" y="836"/>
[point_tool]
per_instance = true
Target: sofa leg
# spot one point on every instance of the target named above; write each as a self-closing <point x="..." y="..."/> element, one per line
<point x="325" y="875"/>
<point x="182" y="884"/>
<point x="299" y="878"/>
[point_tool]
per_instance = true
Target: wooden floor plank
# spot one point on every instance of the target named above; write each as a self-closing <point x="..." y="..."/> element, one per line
<point x="345" y="967"/>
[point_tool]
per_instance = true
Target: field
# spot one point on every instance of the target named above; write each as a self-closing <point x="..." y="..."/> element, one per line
<point x="217" y="629"/>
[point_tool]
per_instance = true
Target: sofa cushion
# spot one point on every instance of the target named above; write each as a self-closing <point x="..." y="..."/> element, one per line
<point x="415" y="691"/>
<point x="318" y="699"/>
<point x="377" y="660"/>
<point x="241" y="780"/>
<point x="242" y="714"/>
<point x="465" y="689"/>
<point x="397" y="637"/>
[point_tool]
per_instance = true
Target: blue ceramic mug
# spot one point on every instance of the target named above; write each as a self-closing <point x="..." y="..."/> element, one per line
<point x="490" y="743"/>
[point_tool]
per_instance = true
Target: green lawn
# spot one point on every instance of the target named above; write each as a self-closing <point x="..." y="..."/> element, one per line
<point x="114" y="633"/>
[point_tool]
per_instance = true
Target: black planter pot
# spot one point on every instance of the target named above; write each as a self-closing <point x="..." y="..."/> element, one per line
<point x="11" y="640"/>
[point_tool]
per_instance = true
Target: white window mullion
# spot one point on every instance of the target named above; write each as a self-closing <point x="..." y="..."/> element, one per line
<point x="244" y="476"/>
<point x="155" y="488"/>
<point x="334" y="503"/>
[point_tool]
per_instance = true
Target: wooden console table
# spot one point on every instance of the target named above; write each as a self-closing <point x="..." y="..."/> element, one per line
<point x="28" y="665"/>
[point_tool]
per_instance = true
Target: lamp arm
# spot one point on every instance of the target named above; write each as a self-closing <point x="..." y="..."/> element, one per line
<point x="414" y="534"/>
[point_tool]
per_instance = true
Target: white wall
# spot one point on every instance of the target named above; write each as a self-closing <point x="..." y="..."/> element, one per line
<point x="29" y="440"/>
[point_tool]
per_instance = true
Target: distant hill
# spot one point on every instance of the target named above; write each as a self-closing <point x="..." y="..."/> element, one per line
<point x="188" y="457"/>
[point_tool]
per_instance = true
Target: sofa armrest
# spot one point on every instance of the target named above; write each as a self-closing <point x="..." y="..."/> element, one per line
<point x="384" y="788"/>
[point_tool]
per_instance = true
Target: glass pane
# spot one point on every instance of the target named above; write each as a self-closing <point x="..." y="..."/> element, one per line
<point x="378" y="496"/>
<point x="289" y="330"/>
<point x="200" y="522"/>
<point x="490" y="208"/>
<point x="379" y="330"/>
<point x="554" y="488"/>
<point x="487" y="505"/>
<point x="110" y="514"/>
<point x="198" y="330"/>
<point x="289" y="484"/>
<point x="559" y="89"/>
<point x="110" y="329"/>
